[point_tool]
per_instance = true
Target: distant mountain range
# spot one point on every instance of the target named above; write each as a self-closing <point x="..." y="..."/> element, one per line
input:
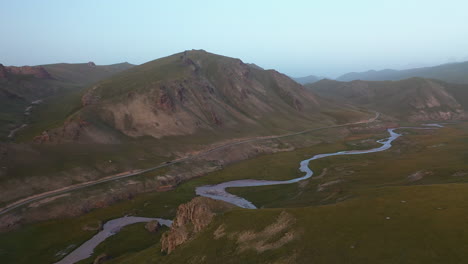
<point x="453" y="73"/>
<point x="414" y="99"/>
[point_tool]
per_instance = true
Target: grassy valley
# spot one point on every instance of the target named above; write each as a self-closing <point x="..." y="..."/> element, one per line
<point x="369" y="209"/>
<point x="343" y="210"/>
<point x="220" y="156"/>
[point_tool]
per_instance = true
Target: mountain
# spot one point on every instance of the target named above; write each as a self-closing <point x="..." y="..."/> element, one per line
<point x="197" y="93"/>
<point x="19" y="86"/>
<point x="307" y="79"/>
<point x="413" y="99"/>
<point x="35" y="82"/>
<point x="452" y="73"/>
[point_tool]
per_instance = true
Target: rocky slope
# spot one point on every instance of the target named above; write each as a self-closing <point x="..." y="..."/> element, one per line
<point x="197" y="92"/>
<point x="191" y="218"/>
<point x="413" y="99"/>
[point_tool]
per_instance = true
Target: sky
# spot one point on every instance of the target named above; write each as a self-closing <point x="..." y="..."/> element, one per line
<point x="299" y="38"/>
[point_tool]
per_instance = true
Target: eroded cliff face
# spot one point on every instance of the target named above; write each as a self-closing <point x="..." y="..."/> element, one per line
<point x="191" y="218"/>
<point x="414" y="99"/>
<point x="435" y="103"/>
<point x="439" y="115"/>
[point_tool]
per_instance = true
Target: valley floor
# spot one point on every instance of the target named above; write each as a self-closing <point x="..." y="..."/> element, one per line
<point x="404" y="205"/>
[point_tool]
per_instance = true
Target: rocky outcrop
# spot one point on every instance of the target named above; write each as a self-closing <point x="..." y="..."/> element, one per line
<point x="89" y="97"/>
<point x="442" y="115"/>
<point x="152" y="226"/>
<point x="190" y="219"/>
<point x="44" y="137"/>
<point x="165" y="101"/>
<point x="72" y="130"/>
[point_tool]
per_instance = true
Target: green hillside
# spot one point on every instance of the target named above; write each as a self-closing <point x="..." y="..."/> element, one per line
<point x="197" y="92"/>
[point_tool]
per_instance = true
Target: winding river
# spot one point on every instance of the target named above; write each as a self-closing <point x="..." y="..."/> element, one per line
<point x="218" y="192"/>
<point x="110" y="228"/>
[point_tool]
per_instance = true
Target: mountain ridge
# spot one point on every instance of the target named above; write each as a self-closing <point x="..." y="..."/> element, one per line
<point x="450" y="72"/>
<point x="195" y="91"/>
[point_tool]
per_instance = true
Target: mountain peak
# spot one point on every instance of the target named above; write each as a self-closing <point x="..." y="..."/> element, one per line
<point x="193" y="91"/>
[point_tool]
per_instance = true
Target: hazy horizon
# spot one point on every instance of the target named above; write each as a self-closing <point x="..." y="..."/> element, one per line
<point x="300" y="38"/>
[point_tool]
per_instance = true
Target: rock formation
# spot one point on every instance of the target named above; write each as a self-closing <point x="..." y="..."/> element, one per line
<point x="414" y="99"/>
<point x="190" y="219"/>
<point x="152" y="226"/>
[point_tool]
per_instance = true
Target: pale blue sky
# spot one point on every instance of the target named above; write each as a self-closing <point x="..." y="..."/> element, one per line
<point x="295" y="37"/>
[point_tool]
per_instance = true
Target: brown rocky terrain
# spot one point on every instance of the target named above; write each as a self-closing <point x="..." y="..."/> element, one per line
<point x="191" y="218"/>
<point x="413" y="99"/>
